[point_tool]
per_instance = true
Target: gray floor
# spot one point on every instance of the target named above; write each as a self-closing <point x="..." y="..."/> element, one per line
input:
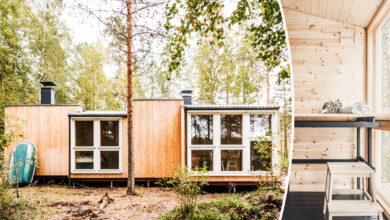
<point x="309" y="205"/>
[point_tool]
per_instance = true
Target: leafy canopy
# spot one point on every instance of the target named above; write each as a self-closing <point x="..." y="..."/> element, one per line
<point x="261" y="18"/>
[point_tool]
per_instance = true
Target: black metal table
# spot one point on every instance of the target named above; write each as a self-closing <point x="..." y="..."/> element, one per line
<point x="361" y="122"/>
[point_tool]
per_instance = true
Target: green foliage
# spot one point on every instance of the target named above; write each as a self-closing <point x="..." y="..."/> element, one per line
<point x="262" y="19"/>
<point x="264" y="146"/>
<point x="92" y="88"/>
<point x="12" y="208"/>
<point x="255" y="205"/>
<point x="187" y="184"/>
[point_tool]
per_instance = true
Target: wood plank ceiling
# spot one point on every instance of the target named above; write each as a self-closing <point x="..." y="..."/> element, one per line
<point x="355" y="12"/>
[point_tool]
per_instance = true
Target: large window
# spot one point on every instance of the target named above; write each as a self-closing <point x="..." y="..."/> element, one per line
<point x="231" y="129"/>
<point x="201" y="129"/>
<point x="224" y="142"/>
<point x="96" y="145"/>
<point x="383" y="106"/>
<point x="84" y="133"/>
<point x="202" y="158"/>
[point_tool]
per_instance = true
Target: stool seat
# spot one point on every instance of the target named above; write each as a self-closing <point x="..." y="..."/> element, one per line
<point x="354" y="208"/>
<point x="350" y="169"/>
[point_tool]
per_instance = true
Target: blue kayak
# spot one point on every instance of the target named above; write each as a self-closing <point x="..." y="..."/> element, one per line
<point x="26" y="157"/>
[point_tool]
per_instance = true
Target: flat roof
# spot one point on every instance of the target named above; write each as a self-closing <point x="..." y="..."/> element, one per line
<point x="231" y="107"/>
<point x="16" y="105"/>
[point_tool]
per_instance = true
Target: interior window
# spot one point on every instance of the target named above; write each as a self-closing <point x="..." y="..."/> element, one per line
<point x="260" y="157"/>
<point x="109" y="133"/>
<point x="260" y="125"/>
<point x="385" y="67"/>
<point x="84" y="159"/>
<point x="231" y="129"/>
<point x="201" y="129"/>
<point x="84" y="133"/>
<point x="231" y="160"/>
<point x="109" y="159"/>
<point x="200" y="158"/>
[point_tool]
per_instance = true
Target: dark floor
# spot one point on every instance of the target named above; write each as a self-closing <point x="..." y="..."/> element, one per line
<point x="309" y="205"/>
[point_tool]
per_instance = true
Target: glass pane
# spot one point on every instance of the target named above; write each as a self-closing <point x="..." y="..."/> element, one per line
<point x="385" y="159"/>
<point x="260" y="158"/>
<point x="109" y="159"/>
<point x="260" y="125"/>
<point x="201" y="129"/>
<point x="84" y="133"/>
<point x="231" y="160"/>
<point x="385" y="62"/>
<point x="84" y="159"/>
<point x="199" y="158"/>
<point x="109" y="133"/>
<point x="231" y="129"/>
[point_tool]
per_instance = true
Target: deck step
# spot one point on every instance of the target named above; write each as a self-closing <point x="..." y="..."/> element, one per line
<point x="354" y="208"/>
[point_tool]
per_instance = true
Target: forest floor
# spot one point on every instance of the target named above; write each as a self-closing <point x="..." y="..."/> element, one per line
<point x="62" y="202"/>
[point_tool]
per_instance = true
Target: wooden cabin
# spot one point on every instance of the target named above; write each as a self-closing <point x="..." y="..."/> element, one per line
<point x="168" y="133"/>
<point x="339" y="50"/>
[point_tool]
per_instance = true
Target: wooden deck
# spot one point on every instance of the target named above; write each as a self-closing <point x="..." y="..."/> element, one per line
<point x="308" y="206"/>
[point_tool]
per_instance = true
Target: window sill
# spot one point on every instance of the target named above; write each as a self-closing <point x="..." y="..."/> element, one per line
<point x="96" y="172"/>
<point x="241" y="173"/>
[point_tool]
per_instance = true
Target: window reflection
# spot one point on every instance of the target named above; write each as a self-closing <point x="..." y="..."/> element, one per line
<point x="109" y="133"/>
<point x="231" y="129"/>
<point x="201" y="129"/>
<point x="84" y="133"/>
<point x="260" y="125"/>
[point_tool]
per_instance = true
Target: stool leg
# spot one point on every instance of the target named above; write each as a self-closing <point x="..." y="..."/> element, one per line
<point x="364" y="188"/>
<point x="330" y="216"/>
<point x="372" y="183"/>
<point x="326" y="191"/>
<point x="380" y="216"/>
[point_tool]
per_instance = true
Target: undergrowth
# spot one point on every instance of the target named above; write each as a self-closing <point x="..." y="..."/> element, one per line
<point x="260" y="204"/>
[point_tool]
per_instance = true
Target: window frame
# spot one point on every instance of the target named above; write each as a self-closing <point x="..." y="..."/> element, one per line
<point x="217" y="147"/>
<point x="96" y="148"/>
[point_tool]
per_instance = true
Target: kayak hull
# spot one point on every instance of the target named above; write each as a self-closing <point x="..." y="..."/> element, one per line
<point x="22" y="161"/>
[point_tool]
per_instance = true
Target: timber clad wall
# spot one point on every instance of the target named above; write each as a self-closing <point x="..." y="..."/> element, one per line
<point x="328" y="60"/>
<point x="157" y="138"/>
<point x="47" y="127"/>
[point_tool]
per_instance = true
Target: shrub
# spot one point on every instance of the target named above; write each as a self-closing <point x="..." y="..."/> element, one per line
<point x="254" y="205"/>
<point x="187" y="184"/>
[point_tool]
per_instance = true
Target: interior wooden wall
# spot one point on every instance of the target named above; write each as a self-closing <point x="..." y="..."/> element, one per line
<point x="328" y="60"/>
<point x="47" y="127"/>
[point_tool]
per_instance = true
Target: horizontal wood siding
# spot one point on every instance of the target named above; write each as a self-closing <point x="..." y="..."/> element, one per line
<point x="328" y="60"/>
<point x="47" y="127"/>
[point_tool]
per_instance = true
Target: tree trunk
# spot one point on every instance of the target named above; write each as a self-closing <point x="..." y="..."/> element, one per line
<point x="285" y="124"/>
<point x="268" y="88"/>
<point x="130" y="162"/>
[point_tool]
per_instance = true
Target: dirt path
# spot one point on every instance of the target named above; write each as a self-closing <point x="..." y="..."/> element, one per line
<point x="59" y="202"/>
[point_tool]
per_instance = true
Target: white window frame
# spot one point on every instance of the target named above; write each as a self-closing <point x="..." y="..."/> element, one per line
<point x="216" y="147"/>
<point x="96" y="148"/>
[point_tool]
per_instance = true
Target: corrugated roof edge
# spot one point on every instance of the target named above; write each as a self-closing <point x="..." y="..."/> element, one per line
<point x="98" y="114"/>
<point x="178" y="99"/>
<point x="15" y="105"/>
<point x="230" y="107"/>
